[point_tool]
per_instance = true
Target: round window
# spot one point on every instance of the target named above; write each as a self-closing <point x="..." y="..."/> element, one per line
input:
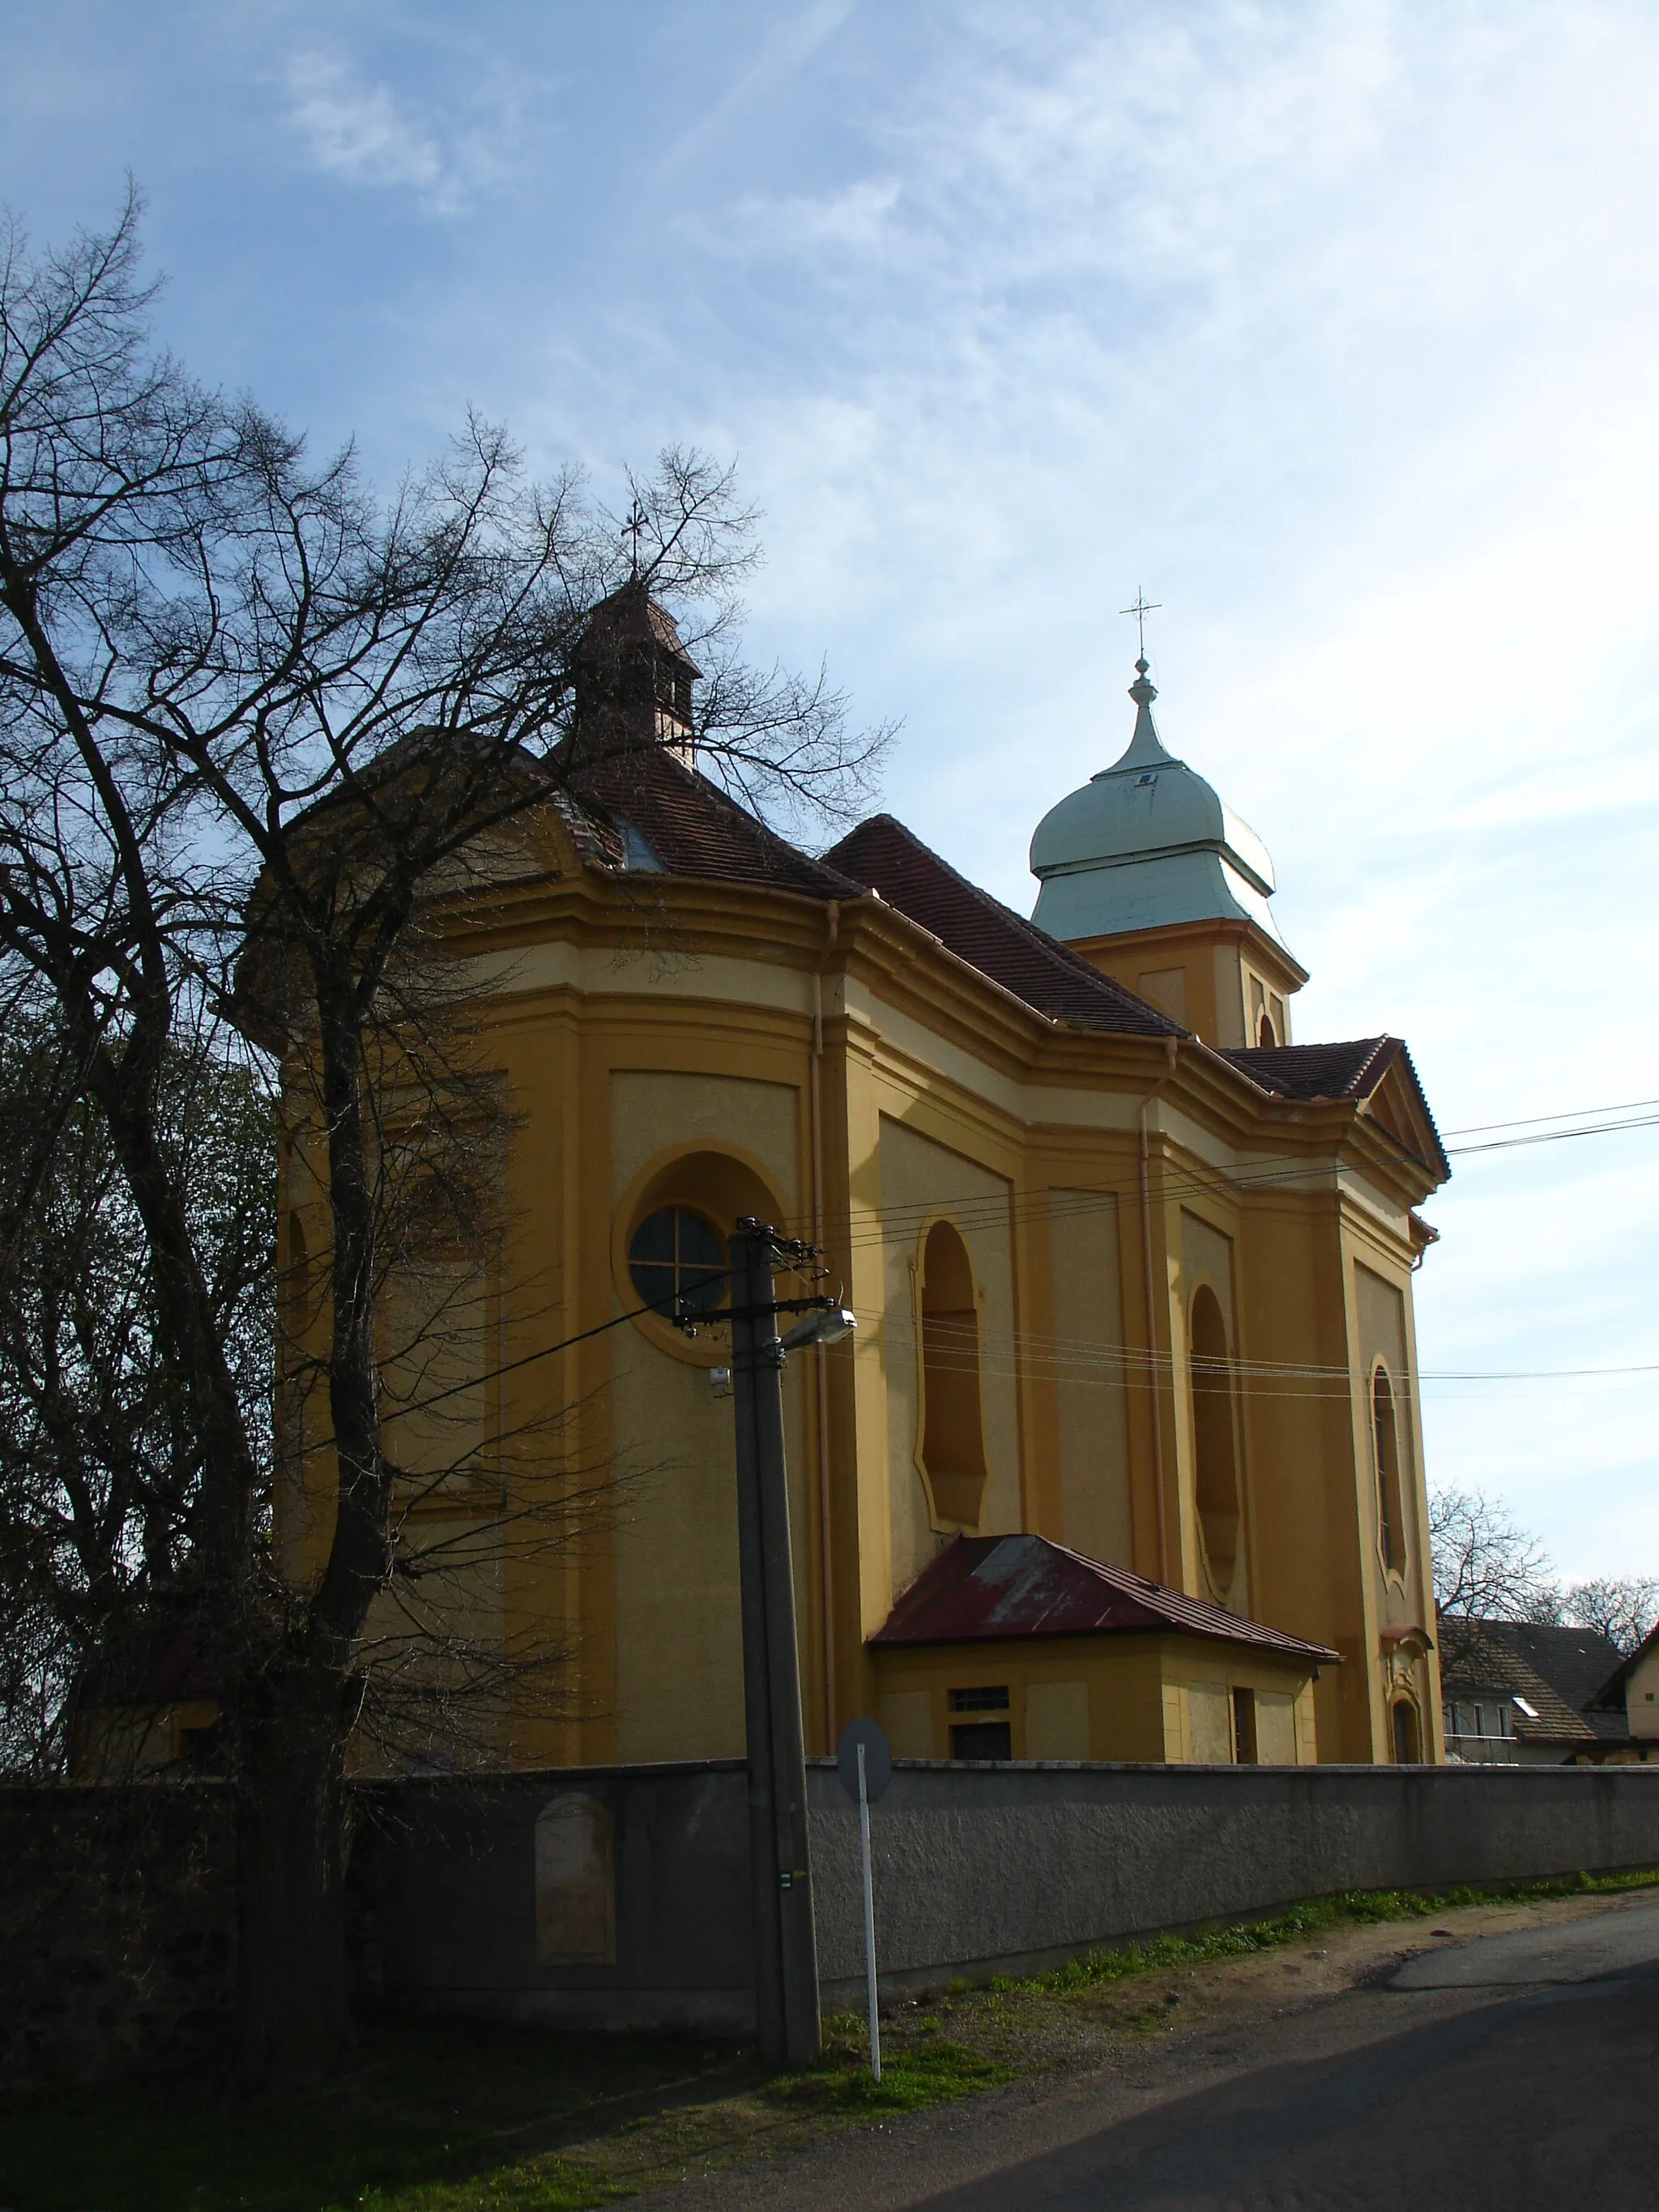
<point x="678" y="1262"/>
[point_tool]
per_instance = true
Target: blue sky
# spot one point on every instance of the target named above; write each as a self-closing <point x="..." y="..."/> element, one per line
<point x="1332" y="325"/>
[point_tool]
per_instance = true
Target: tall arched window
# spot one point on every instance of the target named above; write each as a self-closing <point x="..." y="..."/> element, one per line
<point x="952" y="1432"/>
<point x="1215" y="1450"/>
<point x="1385" y="1450"/>
<point x="1265" y="1033"/>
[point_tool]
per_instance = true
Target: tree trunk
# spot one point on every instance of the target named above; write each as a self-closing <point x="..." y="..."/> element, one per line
<point x="292" y="1841"/>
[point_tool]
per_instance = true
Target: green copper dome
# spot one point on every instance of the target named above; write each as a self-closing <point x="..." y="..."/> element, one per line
<point x="1146" y="843"/>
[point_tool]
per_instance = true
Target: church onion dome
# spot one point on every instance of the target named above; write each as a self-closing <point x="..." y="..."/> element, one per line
<point x="1147" y="843"/>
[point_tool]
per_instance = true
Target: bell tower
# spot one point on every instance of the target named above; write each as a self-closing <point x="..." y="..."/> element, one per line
<point x="633" y="678"/>
<point x="1151" y="877"/>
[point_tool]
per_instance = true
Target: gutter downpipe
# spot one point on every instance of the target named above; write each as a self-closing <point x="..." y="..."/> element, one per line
<point x="826" y="1575"/>
<point x="1171" y="1046"/>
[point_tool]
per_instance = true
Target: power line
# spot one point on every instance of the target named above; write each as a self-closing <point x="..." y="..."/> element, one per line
<point x="1133" y="1362"/>
<point x="998" y="1208"/>
<point x="1567" y="1114"/>
<point x="1273" y="1170"/>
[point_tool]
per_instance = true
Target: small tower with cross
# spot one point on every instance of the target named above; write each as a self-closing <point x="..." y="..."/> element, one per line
<point x="634" y="676"/>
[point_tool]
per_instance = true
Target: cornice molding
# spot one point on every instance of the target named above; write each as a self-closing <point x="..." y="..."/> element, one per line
<point x="908" y="968"/>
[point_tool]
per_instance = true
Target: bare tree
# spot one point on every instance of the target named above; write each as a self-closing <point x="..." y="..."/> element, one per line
<point x="97" y="1472"/>
<point x="1625" y="1609"/>
<point x="255" y="727"/>
<point x="1486" y="1565"/>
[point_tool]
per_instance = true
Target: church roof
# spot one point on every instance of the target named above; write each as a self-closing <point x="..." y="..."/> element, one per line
<point x="1350" y="1070"/>
<point x="986" y="1588"/>
<point x="1355" y="1070"/>
<point x="688" y="826"/>
<point x="882" y="855"/>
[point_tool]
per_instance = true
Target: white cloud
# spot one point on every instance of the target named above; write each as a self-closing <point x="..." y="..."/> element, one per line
<point x="361" y="131"/>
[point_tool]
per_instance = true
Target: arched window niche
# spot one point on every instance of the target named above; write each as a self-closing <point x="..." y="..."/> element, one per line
<point x="1215" y="1443"/>
<point x="1385" y="1455"/>
<point x="952" y="1455"/>
<point x="1407" y="1734"/>
<point x="671" y="1245"/>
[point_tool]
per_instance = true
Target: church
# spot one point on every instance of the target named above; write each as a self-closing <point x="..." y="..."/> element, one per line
<point x="1123" y="1461"/>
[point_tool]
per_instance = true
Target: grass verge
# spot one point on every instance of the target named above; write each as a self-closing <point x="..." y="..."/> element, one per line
<point x="453" y="2116"/>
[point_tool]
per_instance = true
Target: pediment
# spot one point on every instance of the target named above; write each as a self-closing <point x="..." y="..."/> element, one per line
<point x="1397" y="1104"/>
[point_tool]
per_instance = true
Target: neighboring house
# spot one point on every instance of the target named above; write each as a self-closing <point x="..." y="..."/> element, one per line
<point x="1631" y="1695"/>
<point x="1523" y="1693"/>
<point x="1132" y="1271"/>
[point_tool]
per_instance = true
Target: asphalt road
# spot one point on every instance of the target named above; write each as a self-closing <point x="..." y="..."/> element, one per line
<point x="1518" y="2072"/>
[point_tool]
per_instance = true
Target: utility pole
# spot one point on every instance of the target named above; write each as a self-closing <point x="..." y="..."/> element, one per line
<point x="786" y="1949"/>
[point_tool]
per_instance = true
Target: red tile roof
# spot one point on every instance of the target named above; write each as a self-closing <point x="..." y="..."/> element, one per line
<point x="987" y="1588"/>
<point x="1318" y="1071"/>
<point x="882" y="854"/>
<point x="690" y="826"/>
<point x="1350" y="1071"/>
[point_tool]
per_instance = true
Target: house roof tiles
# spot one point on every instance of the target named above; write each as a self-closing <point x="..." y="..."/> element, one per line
<point x="1557" y="1670"/>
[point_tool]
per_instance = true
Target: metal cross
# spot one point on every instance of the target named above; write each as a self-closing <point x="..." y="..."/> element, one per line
<point x="1142" y="607"/>
<point x="633" y="529"/>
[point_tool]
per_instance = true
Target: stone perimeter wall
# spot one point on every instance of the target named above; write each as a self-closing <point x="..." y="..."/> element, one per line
<point x="118" y="1921"/>
<point x="618" y="1896"/>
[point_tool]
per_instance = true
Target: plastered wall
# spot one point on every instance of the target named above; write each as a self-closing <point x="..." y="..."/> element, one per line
<point x="674" y="1540"/>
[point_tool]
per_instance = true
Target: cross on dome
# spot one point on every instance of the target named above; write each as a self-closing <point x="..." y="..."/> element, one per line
<point x="1143" y="606"/>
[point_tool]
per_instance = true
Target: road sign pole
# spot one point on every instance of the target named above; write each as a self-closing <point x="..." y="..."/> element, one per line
<point x="869" y="1920"/>
<point x="863" y="1761"/>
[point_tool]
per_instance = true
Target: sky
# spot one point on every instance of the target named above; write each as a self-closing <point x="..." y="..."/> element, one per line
<point x="1331" y="326"/>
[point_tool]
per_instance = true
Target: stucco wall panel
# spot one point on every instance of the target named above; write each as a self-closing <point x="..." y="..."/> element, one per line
<point x="1093" y="1438"/>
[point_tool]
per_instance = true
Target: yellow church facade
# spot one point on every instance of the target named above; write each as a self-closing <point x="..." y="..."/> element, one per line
<point x="1123" y="1459"/>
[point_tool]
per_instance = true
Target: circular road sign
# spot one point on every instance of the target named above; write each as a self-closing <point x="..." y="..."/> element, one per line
<point x="877" y="1760"/>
